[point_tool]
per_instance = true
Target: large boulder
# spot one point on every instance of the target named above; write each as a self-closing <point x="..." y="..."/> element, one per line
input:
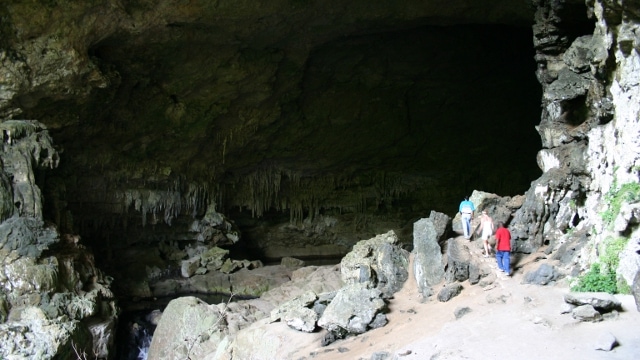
<point x="458" y="260"/>
<point x="189" y="328"/>
<point x="428" y="268"/>
<point x="544" y="275"/>
<point x="601" y="301"/>
<point x="379" y="262"/>
<point x="354" y="310"/>
<point x="297" y="312"/>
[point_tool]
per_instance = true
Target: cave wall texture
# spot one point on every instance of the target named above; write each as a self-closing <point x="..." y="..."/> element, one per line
<point x="313" y="125"/>
<point x="296" y="128"/>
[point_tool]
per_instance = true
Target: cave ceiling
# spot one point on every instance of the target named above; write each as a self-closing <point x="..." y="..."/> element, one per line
<point x="281" y="104"/>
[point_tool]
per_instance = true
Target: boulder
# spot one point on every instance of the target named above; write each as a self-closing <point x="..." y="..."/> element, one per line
<point x="586" y="313"/>
<point x="606" y="342"/>
<point x="266" y="340"/>
<point x="449" y="292"/>
<point x="353" y="310"/>
<point x="544" y="275"/>
<point x="297" y="312"/>
<point x="34" y="336"/>
<point x="601" y="301"/>
<point x="428" y="269"/>
<point x="379" y="261"/>
<point x="461" y="311"/>
<point x="458" y="259"/>
<point x="189" y="266"/>
<point x="189" y="328"/>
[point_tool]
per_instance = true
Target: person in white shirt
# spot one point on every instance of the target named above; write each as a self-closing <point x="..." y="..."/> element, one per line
<point x="486" y="226"/>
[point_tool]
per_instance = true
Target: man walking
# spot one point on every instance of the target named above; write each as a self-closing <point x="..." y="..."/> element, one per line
<point x="503" y="248"/>
<point x="466" y="210"/>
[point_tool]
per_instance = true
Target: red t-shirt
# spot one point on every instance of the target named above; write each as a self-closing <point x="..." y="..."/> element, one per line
<point x="503" y="239"/>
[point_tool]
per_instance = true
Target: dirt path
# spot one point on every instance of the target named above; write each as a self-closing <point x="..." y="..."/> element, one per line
<point x="507" y="320"/>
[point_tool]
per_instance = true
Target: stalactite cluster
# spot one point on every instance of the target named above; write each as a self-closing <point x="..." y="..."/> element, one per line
<point x="305" y="196"/>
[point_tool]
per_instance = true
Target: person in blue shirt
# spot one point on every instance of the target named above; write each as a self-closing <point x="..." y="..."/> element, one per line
<point x="466" y="210"/>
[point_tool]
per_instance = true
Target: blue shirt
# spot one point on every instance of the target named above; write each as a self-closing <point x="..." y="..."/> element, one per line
<point x="466" y="206"/>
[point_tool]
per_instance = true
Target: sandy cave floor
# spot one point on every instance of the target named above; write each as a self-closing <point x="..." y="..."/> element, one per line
<point x="507" y="320"/>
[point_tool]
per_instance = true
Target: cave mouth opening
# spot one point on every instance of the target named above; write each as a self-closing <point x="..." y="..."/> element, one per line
<point x="442" y="111"/>
<point x="401" y="123"/>
<point x="438" y="111"/>
<point x="380" y="129"/>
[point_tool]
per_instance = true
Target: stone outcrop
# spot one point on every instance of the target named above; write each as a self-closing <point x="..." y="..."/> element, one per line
<point x="588" y="127"/>
<point x="428" y="267"/>
<point x="55" y="302"/>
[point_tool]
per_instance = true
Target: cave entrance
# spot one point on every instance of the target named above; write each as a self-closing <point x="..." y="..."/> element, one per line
<point x="414" y="120"/>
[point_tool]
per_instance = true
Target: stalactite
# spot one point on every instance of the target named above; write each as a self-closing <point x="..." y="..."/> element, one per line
<point x="178" y="199"/>
<point x="273" y="188"/>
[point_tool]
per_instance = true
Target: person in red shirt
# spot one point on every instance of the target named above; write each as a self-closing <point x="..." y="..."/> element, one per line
<point x="503" y="248"/>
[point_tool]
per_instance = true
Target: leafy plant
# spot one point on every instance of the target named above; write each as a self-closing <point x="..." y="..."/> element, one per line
<point x="602" y="276"/>
<point x="610" y="252"/>
<point x="629" y="192"/>
<point x="597" y="281"/>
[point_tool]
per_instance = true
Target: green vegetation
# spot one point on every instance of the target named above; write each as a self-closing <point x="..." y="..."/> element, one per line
<point x="596" y="281"/>
<point x="602" y="277"/>
<point x="610" y="251"/>
<point x="629" y="192"/>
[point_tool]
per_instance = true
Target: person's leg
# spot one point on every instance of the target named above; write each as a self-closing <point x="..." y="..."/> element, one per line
<point x="499" y="259"/>
<point x="486" y="247"/>
<point x="506" y="262"/>
<point x="465" y="226"/>
<point x="463" y="221"/>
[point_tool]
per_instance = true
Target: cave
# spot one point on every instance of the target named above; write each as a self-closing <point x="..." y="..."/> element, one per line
<point x="373" y="130"/>
<point x="262" y="133"/>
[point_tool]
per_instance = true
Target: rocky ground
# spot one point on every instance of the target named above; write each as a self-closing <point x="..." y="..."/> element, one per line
<point x="505" y="320"/>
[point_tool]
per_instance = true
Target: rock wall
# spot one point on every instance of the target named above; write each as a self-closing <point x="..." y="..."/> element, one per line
<point x="54" y="301"/>
<point x="589" y="130"/>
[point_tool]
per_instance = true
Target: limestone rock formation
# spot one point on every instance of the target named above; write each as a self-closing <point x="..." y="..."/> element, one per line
<point x="297" y="128"/>
<point x="55" y="302"/>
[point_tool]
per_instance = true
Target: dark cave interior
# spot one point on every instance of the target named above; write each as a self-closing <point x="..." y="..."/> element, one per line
<point x="430" y="113"/>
